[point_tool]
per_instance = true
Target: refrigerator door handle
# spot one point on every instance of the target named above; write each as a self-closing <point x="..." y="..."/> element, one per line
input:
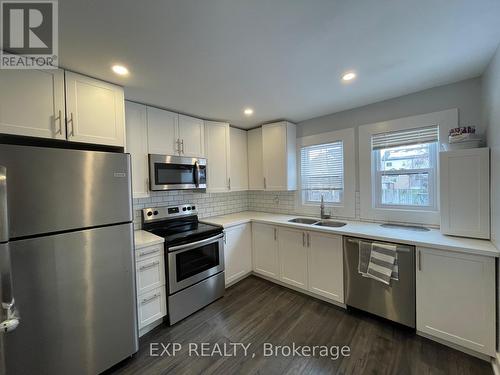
<point x="9" y="318"/>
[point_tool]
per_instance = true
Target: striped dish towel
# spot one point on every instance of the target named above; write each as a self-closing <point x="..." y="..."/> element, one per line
<point x="381" y="266"/>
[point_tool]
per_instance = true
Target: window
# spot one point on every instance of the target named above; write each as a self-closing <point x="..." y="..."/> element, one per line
<point x="398" y="167"/>
<point x="404" y="168"/>
<point x="322" y="173"/>
<point x="327" y="167"/>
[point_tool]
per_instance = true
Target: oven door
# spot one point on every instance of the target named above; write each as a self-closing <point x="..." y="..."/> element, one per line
<point x="176" y="172"/>
<point x="195" y="261"/>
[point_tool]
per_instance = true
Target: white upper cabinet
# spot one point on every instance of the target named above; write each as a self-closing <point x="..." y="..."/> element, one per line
<point x="238" y="159"/>
<point x="255" y="171"/>
<point x="162" y="131"/>
<point x="191" y="136"/>
<point x="137" y="146"/>
<point x="32" y="103"/>
<point x="465" y="192"/>
<point x="455" y="298"/>
<point x="279" y="156"/>
<point x="94" y="111"/>
<point x="218" y="153"/>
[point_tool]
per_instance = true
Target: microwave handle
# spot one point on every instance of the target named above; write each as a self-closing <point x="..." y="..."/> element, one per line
<point x="197" y="173"/>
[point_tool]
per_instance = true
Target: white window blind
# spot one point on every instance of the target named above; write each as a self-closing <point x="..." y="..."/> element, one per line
<point x="322" y="167"/>
<point x="428" y="134"/>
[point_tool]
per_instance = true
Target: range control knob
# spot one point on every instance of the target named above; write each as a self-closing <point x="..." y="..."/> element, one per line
<point x="155" y="212"/>
<point x="189" y="208"/>
<point x="183" y="208"/>
<point x="194" y="207"/>
<point x="150" y="213"/>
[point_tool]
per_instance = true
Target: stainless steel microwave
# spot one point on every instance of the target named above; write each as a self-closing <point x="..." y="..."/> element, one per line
<point x="177" y="173"/>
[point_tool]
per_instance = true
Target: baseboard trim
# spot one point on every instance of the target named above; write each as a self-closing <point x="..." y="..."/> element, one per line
<point x="484" y="357"/>
<point x="235" y="281"/>
<point x="495" y="364"/>
<point x="306" y="292"/>
<point x="150" y="326"/>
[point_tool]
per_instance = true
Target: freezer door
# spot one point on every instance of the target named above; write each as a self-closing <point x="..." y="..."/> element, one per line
<point x="52" y="190"/>
<point x="77" y="295"/>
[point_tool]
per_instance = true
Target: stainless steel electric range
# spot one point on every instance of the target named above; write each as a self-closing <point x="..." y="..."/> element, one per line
<point x="194" y="258"/>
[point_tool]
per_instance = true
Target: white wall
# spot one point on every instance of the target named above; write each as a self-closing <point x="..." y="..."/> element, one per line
<point x="491" y="120"/>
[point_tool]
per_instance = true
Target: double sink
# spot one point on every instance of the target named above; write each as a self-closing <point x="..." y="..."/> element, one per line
<point x="320" y="223"/>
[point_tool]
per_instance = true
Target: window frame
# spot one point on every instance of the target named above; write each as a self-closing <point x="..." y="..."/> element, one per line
<point x="445" y="120"/>
<point x="347" y="207"/>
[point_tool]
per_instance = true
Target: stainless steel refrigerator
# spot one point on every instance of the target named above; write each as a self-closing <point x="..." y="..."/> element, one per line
<point x="69" y="237"/>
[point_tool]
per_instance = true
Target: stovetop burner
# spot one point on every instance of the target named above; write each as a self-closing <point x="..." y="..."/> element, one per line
<point x="177" y="225"/>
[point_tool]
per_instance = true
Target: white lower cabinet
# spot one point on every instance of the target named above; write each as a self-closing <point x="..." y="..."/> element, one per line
<point x="307" y="260"/>
<point x="150" y="274"/>
<point x="456" y="298"/>
<point x="237" y="252"/>
<point x="151" y="287"/>
<point x="325" y="265"/>
<point x="265" y="250"/>
<point x="293" y="249"/>
<point x="151" y="307"/>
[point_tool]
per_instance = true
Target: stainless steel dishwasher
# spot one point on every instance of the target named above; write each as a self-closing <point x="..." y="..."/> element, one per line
<point x="396" y="301"/>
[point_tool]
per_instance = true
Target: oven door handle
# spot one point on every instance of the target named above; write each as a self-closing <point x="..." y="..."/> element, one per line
<point x="192" y="245"/>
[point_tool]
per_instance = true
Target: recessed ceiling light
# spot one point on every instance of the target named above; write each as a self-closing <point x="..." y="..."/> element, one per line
<point x="248" y="111"/>
<point x="349" y="76"/>
<point x="120" y="70"/>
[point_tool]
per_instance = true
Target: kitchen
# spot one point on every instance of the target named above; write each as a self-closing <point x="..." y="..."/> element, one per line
<point x="252" y="187"/>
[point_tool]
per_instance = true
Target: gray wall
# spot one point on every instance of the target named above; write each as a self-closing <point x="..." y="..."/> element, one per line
<point x="464" y="95"/>
<point x="491" y="119"/>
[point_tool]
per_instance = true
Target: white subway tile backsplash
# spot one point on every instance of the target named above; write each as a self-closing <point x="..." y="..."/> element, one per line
<point x="209" y="204"/>
<point x="214" y="204"/>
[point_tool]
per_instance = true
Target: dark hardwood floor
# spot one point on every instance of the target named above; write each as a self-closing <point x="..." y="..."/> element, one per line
<point x="256" y="311"/>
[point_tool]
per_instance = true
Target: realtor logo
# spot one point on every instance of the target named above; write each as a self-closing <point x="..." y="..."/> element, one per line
<point x="29" y="35"/>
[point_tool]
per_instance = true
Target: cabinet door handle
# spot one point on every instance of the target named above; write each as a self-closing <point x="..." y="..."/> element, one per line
<point x="275" y="234"/>
<point x="178" y="148"/>
<point x="152" y="264"/>
<point x="59" y="131"/>
<point x="147" y="184"/>
<point x="308" y="240"/>
<point x="420" y="260"/>
<point x="229" y="183"/>
<point x="148" y="252"/>
<point x="182" y="145"/>
<point x="70" y="120"/>
<point x="303" y="239"/>
<point x="265" y="185"/>
<point x="146" y="300"/>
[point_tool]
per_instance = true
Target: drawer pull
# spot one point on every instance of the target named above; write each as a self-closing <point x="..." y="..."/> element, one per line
<point x="153" y="297"/>
<point x="148" y="252"/>
<point x="152" y="264"/>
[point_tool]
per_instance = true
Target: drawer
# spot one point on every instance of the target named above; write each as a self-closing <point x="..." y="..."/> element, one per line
<point x="150" y="274"/>
<point x="148" y="252"/>
<point x="151" y="306"/>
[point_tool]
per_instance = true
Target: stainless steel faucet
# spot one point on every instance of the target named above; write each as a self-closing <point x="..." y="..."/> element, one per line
<point x="322" y="209"/>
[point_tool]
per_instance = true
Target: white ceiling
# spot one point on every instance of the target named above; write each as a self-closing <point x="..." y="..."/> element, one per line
<point x="284" y="58"/>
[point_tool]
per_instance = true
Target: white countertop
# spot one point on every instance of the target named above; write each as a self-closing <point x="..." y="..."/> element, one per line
<point x="433" y="238"/>
<point x="144" y="239"/>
